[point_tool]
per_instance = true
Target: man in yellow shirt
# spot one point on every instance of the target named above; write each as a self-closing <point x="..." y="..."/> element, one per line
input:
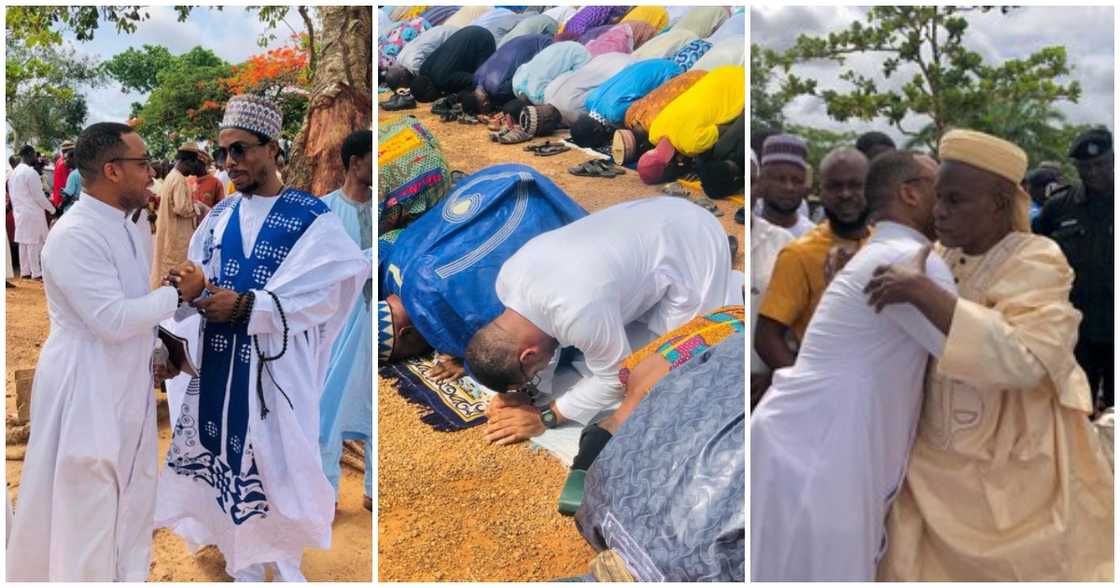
<point x="799" y="277"/>
<point x="1007" y="480"/>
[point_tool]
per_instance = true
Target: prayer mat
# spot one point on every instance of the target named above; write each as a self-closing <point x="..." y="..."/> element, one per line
<point x="450" y="406"/>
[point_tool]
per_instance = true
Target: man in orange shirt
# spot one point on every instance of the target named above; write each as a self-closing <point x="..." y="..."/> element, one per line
<point x="799" y="277"/>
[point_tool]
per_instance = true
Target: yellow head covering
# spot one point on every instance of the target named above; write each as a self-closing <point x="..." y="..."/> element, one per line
<point x="994" y="155"/>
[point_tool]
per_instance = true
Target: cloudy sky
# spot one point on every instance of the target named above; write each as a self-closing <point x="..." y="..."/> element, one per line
<point x="230" y="33"/>
<point x="1086" y="32"/>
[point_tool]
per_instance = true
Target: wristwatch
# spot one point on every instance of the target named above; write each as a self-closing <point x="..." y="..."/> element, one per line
<point x="548" y="418"/>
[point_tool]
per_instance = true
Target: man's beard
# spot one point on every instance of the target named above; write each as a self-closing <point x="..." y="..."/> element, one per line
<point x="839" y="226"/>
<point x="773" y="205"/>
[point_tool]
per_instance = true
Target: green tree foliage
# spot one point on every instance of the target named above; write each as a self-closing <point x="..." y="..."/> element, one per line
<point x="42" y="93"/>
<point x="186" y="101"/>
<point x="950" y="84"/>
<point x="137" y="70"/>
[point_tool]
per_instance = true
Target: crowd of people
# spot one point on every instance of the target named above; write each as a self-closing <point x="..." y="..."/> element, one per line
<point x="271" y="289"/>
<point x="659" y="89"/>
<point x="504" y="278"/>
<point x="927" y="361"/>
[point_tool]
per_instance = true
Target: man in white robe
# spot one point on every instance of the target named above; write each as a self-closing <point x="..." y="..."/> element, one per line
<point x="831" y="437"/>
<point x="88" y="489"/>
<point x="659" y="261"/>
<point x="28" y="203"/>
<point x="243" y="471"/>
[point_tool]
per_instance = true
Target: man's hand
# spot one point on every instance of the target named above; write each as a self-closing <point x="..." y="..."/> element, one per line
<point x="189" y="278"/>
<point x="514" y="423"/>
<point x="899" y="283"/>
<point x="505" y="400"/>
<point x="218" y="308"/>
<point x="448" y="369"/>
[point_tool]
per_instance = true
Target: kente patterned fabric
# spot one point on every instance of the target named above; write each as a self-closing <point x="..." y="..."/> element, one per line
<point x="666" y="493"/>
<point x="689" y="340"/>
<point x="412" y="173"/>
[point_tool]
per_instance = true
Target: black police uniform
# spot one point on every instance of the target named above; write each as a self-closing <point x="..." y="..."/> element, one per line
<point x="1080" y="221"/>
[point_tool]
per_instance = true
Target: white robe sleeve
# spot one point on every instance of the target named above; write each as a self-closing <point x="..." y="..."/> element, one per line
<point x="35" y="191"/>
<point x="913" y="322"/>
<point x="601" y="336"/>
<point x="88" y="279"/>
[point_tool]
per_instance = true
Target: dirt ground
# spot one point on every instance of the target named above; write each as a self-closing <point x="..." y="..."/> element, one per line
<point x="451" y="507"/>
<point x="350" y="556"/>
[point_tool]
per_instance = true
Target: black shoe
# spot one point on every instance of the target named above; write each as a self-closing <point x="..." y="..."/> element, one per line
<point x="441" y="107"/>
<point x="403" y="101"/>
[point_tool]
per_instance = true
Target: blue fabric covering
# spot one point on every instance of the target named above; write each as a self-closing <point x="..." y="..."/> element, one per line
<point x="444" y="265"/>
<point x="495" y="75"/>
<point x="346" y="406"/>
<point x="666" y="493"/>
<point x="628" y="86"/>
<point x="688" y="55"/>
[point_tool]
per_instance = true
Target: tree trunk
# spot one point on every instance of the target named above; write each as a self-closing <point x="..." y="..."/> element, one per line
<point x="341" y="98"/>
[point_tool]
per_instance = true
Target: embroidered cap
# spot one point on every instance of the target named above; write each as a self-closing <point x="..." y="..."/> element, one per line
<point x="785" y="149"/>
<point x="254" y="114"/>
<point x="386" y="333"/>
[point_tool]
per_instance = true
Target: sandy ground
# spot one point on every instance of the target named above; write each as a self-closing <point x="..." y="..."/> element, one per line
<point x="350" y="556"/>
<point x="451" y="507"/>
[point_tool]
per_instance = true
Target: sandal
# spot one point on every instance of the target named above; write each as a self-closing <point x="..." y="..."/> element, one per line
<point x="589" y="169"/>
<point x="609" y="169"/>
<point x="514" y="136"/>
<point x="675" y="189"/>
<point x="553" y="149"/>
<point x="709" y="205"/>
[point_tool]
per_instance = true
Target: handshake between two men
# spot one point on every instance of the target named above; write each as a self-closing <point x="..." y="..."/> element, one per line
<point x="220" y="306"/>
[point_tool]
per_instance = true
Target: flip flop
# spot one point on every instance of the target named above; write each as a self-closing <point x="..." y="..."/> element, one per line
<point x="550" y="149"/>
<point x="590" y="169"/>
<point x="514" y="136"/>
<point x="610" y="168"/>
<point x="709" y="205"/>
<point x="675" y="189"/>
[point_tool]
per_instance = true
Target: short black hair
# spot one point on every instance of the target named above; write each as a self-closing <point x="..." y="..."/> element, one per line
<point x="588" y="132"/>
<point x="885" y="174"/>
<point x="872" y="139"/>
<point x="471" y="103"/>
<point x="97" y="144"/>
<point x="356" y="144"/>
<point x="27" y="151"/>
<point x="13" y="160"/>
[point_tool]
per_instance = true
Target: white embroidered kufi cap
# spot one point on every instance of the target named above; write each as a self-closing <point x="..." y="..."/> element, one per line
<point x="254" y="114"/>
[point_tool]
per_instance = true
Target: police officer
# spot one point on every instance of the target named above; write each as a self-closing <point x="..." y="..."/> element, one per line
<point x="1079" y="218"/>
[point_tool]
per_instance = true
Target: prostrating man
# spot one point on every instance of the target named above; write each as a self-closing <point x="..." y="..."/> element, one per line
<point x="799" y="277"/>
<point x="1006" y="479"/>
<point x="415" y="53"/>
<point x="784" y="177"/>
<point x="493" y="81"/>
<point x="88" y="490"/>
<point x="243" y="470"/>
<point x="451" y="67"/>
<point x="1080" y="220"/>
<point x="28" y="205"/>
<point x="659" y="261"/>
<point x="346" y="408"/>
<point x="873" y="143"/>
<point x="607" y="104"/>
<point x="177" y="216"/>
<point x="437" y="278"/>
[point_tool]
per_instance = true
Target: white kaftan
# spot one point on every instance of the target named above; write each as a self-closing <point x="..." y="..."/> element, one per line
<point x="276" y="502"/>
<point x="831" y="438"/>
<point x="660" y="261"/>
<point x="767" y="241"/>
<point x="88" y="489"/>
<point x="28" y="203"/>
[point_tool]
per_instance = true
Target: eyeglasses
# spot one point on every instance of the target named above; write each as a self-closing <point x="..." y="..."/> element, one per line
<point x="236" y="150"/>
<point x="147" y="161"/>
<point x="529" y="386"/>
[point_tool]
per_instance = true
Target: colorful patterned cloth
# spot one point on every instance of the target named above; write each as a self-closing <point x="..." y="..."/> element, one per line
<point x="588" y="17"/>
<point x="389" y="46"/>
<point x="618" y="39"/>
<point x="642" y="32"/>
<point x="655" y="16"/>
<point x="640" y="115"/>
<point x="691" y="53"/>
<point x="412" y="173"/>
<point x="689" y="340"/>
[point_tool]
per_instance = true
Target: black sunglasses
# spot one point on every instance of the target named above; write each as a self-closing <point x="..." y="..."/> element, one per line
<point x="236" y="150"/>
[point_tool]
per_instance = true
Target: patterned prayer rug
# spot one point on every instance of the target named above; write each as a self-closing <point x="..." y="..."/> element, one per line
<point x="450" y="406"/>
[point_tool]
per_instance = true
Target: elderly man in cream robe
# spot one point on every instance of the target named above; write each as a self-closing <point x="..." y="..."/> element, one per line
<point x="1007" y="480"/>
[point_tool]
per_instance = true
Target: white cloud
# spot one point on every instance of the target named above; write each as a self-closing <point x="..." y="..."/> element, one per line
<point x="995" y="36"/>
